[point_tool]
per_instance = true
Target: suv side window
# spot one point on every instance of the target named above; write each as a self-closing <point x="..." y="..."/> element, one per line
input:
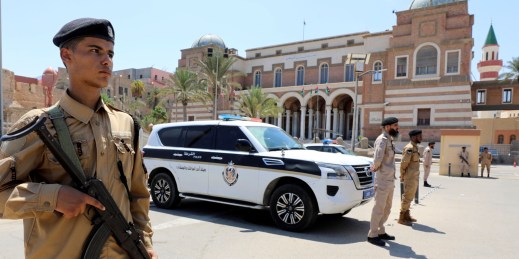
<point x="227" y="137"/>
<point x="313" y="148"/>
<point x="199" y="137"/>
<point x="172" y="137"/>
<point x="329" y="149"/>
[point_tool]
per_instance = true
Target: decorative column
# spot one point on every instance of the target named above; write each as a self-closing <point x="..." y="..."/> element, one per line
<point x="303" y="124"/>
<point x="287" y="122"/>
<point x="335" y="122"/>
<point x="280" y="119"/>
<point x="317" y="122"/>
<point x="310" y="124"/>
<point x="295" y="119"/>
<point x="328" y="119"/>
<point x="341" y="124"/>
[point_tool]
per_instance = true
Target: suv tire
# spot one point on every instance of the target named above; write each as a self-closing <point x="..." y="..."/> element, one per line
<point x="292" y="208"/>
<point x="164" y="192"/>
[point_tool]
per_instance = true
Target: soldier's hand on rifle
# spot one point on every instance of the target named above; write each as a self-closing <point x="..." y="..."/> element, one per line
<point x="71" y="202"/>
<point x="402" y="178"/>
<point x="152" y="254"/>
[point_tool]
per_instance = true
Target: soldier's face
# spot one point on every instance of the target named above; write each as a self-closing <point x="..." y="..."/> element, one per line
<point x="89" y="63"/>
<point x="418" y="138"/>
<point x="393" y="130"/>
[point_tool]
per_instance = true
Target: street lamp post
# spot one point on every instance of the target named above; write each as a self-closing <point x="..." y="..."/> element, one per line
<point x="356" y="106"/>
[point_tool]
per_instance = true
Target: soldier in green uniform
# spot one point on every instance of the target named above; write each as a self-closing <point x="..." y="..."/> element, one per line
<point x="409" y="175"/>
<point x="35" y="187"/>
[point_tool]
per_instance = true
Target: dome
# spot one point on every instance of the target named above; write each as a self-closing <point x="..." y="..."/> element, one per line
<point x="209" y="39"/>
<point x="50" y="71"/>
<point x="416" y="4"/>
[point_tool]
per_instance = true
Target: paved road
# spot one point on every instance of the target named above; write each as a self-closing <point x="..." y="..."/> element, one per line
<point x="459" y="218"/>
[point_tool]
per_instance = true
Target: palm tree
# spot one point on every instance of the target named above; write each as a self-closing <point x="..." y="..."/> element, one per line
<point x="256" y="104"/>
<point x="185" y="87"/>
<point x="513" y="74"/>
<point x="137" y="88"/>
<point x="153" y="98"/>
<point x="215" y="73"/>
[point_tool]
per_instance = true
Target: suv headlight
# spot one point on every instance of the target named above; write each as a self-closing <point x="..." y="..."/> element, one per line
<point x="333" y="171"/>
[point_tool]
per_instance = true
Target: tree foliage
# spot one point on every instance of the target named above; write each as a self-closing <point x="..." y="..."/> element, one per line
<point x="185" y="87"/>
<point x="513" y="73"/>
<point x="216" y="73"/>
<point x="137" y="88"/>
<point x="256" y="104"/>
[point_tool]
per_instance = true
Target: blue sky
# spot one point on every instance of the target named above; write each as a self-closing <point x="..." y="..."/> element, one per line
<point x="151" y="33"/>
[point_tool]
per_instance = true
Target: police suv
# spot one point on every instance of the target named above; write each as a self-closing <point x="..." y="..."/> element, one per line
<point x="255" y="165"/>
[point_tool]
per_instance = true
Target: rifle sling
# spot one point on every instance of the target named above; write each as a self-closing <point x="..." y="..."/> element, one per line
<point x="58" y="120"/>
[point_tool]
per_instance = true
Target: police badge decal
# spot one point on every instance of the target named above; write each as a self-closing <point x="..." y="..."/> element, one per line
<point x="230" y="176"/>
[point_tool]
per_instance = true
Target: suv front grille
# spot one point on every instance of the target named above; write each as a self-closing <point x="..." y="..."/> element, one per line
<point x="364" y="175"/>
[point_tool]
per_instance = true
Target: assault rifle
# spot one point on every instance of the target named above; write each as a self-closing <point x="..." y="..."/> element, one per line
<point x="108" y="222"/>
<point x="464" y="160"/>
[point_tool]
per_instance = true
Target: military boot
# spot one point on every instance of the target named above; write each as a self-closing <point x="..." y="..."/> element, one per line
<point x="403" y="220"/>
<point x="468" y="174"/>
<point x="408" y="216"/>
<point x="461" y="174"/>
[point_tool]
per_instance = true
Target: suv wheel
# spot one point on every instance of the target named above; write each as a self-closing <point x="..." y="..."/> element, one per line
<point x="164" y="191"/>
<point x="292" y="208"/>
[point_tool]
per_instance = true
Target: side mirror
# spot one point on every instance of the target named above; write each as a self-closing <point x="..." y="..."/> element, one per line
<point x="244" y="145"/>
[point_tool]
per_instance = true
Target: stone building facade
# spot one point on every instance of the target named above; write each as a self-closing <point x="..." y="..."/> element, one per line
<point x="419" y="72"/>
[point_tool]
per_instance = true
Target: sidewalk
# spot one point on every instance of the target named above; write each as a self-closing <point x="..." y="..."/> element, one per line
<point x="458" y="218"/>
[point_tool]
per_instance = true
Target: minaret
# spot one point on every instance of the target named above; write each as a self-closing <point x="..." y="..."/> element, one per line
<point x="490" y="64"/>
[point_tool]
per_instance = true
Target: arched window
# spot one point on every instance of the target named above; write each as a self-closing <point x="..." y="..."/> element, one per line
<point x="377" y="76"/>
<point x="500" y="139"/>
<point x="349" y="73"/>
<point x="512" y="138"/>
<point x="277" y="77"/>
<point x="257" y="78"/>
<point x="300" y="76"/>
<point x="426" y="60"/>
<point x="324" y="74"/>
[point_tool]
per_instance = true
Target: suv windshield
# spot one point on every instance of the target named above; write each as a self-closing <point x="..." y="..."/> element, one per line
<point x="274" y="138"/>
<point x="345" y="151"/>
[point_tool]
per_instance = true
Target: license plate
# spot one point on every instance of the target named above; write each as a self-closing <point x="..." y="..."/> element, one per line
<point x="366" y="194"/>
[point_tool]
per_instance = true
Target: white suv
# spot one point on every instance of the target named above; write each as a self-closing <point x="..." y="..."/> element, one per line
<point x="255" y="165"/>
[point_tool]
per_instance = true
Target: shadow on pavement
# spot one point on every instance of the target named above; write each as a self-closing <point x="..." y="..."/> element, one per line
<point x="331" y="229"/>
<point x="425" y="228"/>
<point x="403" y="251"/>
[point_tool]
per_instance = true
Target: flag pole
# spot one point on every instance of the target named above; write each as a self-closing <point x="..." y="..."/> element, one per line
<point x="304" y="24"/>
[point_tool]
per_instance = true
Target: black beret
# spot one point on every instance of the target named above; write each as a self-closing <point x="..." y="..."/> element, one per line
<point x="432" y="143"/>
<point x="389" y="121"/>
<point x="85" y="27"/>
<point x="415" y="132"/>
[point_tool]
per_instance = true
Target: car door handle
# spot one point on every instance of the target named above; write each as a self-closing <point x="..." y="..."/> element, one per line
<point x="216" y="157"/>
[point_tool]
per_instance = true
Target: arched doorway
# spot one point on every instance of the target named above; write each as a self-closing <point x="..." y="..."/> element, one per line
<point x="291" y="118"/>
<point x="316" y="120"/>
